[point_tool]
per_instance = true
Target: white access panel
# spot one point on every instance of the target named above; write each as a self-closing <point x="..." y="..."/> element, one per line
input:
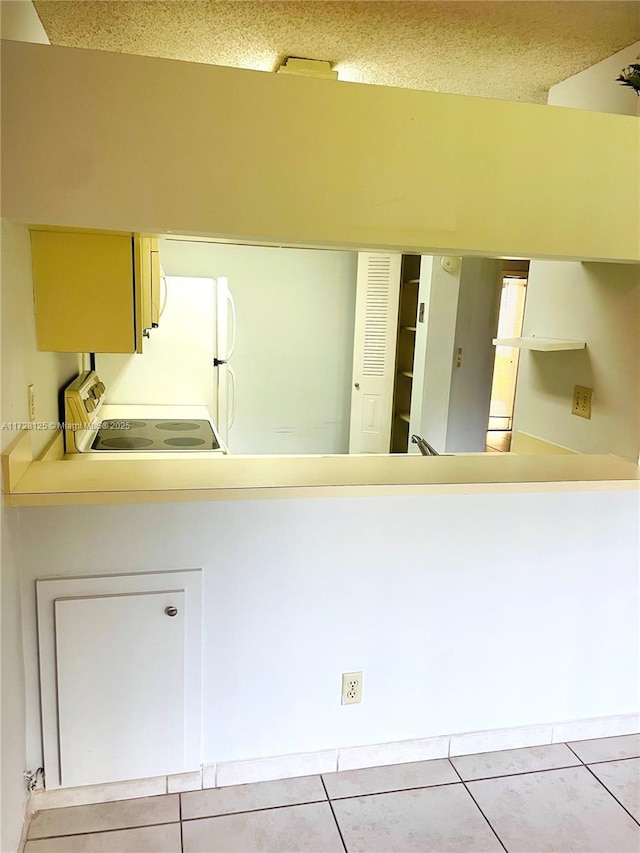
<point x="120" y="670"/>
<point x="106" y="631"/>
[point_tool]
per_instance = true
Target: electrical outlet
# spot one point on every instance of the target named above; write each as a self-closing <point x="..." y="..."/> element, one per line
<point x="351" y="688"/>
<point x="581" y="405"/>
<point x="32" y="403"/>
<point x="459" y="357"/>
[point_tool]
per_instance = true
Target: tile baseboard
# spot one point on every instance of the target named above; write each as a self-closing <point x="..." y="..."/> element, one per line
<point x="400" y="752"/>
<point x="57" y="798"/>
<point x="276" y="767"/>
<point x="349" y="758"/>
<point x="180" y="783"/>
<point x="497" y="739"/>
<point x="626" y="724"/>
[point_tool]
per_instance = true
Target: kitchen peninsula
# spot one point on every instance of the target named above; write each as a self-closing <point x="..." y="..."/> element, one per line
<point x="54" y="480"/>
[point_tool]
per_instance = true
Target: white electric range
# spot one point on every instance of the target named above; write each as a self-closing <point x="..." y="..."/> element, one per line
<point x="96" y="430"/>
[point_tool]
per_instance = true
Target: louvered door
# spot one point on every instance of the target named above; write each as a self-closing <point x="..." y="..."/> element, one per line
<point x="374" y="352"/>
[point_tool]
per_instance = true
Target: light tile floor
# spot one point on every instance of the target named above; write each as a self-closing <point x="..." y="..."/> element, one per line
<point x="582" y="797"/>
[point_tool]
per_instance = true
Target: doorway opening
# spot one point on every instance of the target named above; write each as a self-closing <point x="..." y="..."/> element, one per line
<point x="505" y="371"/>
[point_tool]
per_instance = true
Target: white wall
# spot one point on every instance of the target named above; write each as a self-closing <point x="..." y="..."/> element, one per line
<point x="440" y="294"/>
<point x="598" y="303"/>
<point x="284" y="159"/>
<point x="465" y="612"/>
<point x="13" y="792"/>
<point x="476" y="326"/>
<point x="22" y="365"/>
<point x="295" y="312"/>
<point x="19" y="21"/>
<point x="596" y="89"/>
<point x="175" y="367"/>
<point x="461" y="311"/>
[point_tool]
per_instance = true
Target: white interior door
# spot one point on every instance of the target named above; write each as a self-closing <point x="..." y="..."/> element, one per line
<point x="121" y="686"/>
<point x="374" y="352"/>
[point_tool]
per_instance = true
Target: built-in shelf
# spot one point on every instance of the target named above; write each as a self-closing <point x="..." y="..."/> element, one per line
<point x="405" y="352"/>
<point x="539" y="344"/>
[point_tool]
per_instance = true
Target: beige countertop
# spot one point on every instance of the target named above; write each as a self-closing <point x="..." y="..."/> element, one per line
<point x="56" y="480"/>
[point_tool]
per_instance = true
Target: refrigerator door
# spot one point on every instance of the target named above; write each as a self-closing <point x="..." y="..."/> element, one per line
<point x="232" y="404"/>
<point x="231" y="321"/>
<point x="221" y="384"/>
<point x="224" y="378"/>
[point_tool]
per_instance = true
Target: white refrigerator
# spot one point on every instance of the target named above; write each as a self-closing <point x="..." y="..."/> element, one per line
<point x="224" y="378"/>
<point x="187" y="360"/>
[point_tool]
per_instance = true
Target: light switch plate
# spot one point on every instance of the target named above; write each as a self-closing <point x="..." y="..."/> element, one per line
<point x="581" y="405"/>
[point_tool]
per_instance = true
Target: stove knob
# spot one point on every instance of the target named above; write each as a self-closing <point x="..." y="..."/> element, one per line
<point x="89" y="405"/>
<point x="101" y="388"/>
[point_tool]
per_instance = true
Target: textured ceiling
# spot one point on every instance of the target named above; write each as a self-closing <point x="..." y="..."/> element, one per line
<point x="493" y="48"/>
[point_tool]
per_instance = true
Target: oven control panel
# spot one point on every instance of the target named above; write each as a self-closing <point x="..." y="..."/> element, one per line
<point x="83" y="399"/>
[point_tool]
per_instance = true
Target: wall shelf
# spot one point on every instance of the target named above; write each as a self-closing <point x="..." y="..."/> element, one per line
<point x="539" y="344"/>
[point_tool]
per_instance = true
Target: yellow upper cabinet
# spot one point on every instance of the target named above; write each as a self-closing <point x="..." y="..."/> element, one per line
<point x="93" y="290"/>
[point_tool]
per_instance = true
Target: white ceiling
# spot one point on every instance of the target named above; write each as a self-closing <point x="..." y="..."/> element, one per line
<point x="494" y="48"/>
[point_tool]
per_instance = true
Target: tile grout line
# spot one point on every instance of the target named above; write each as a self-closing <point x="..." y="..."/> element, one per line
<point x="333" y="813"/>
<point x="251" y="811"/>
<point x="519" y="773"/>
<point x="102" y="831"/>
<point x="455" y="769"/>
<point x="394" y="791"/>
<point x="576" y="754"/>
<point x="602" y="760"/>
<point x="612" y="795"/>
<point x="610" y="760"/>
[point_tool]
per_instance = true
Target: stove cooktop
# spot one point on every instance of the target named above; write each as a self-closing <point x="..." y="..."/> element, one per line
<point x="141" y="435"/>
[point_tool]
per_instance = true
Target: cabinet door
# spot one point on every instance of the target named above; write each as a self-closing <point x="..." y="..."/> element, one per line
<point x="121" y="681"/>
<point x="84" y="291"/>
<point x="374" y="352"/>
<point x="147" y="279"/>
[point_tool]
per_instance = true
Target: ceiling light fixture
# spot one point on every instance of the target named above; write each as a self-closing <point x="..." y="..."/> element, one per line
<point x="308" y="68"/>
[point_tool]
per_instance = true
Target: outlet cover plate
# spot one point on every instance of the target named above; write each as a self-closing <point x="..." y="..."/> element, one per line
<point x="581" y="405"/>
<point x="351" y="688"/>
